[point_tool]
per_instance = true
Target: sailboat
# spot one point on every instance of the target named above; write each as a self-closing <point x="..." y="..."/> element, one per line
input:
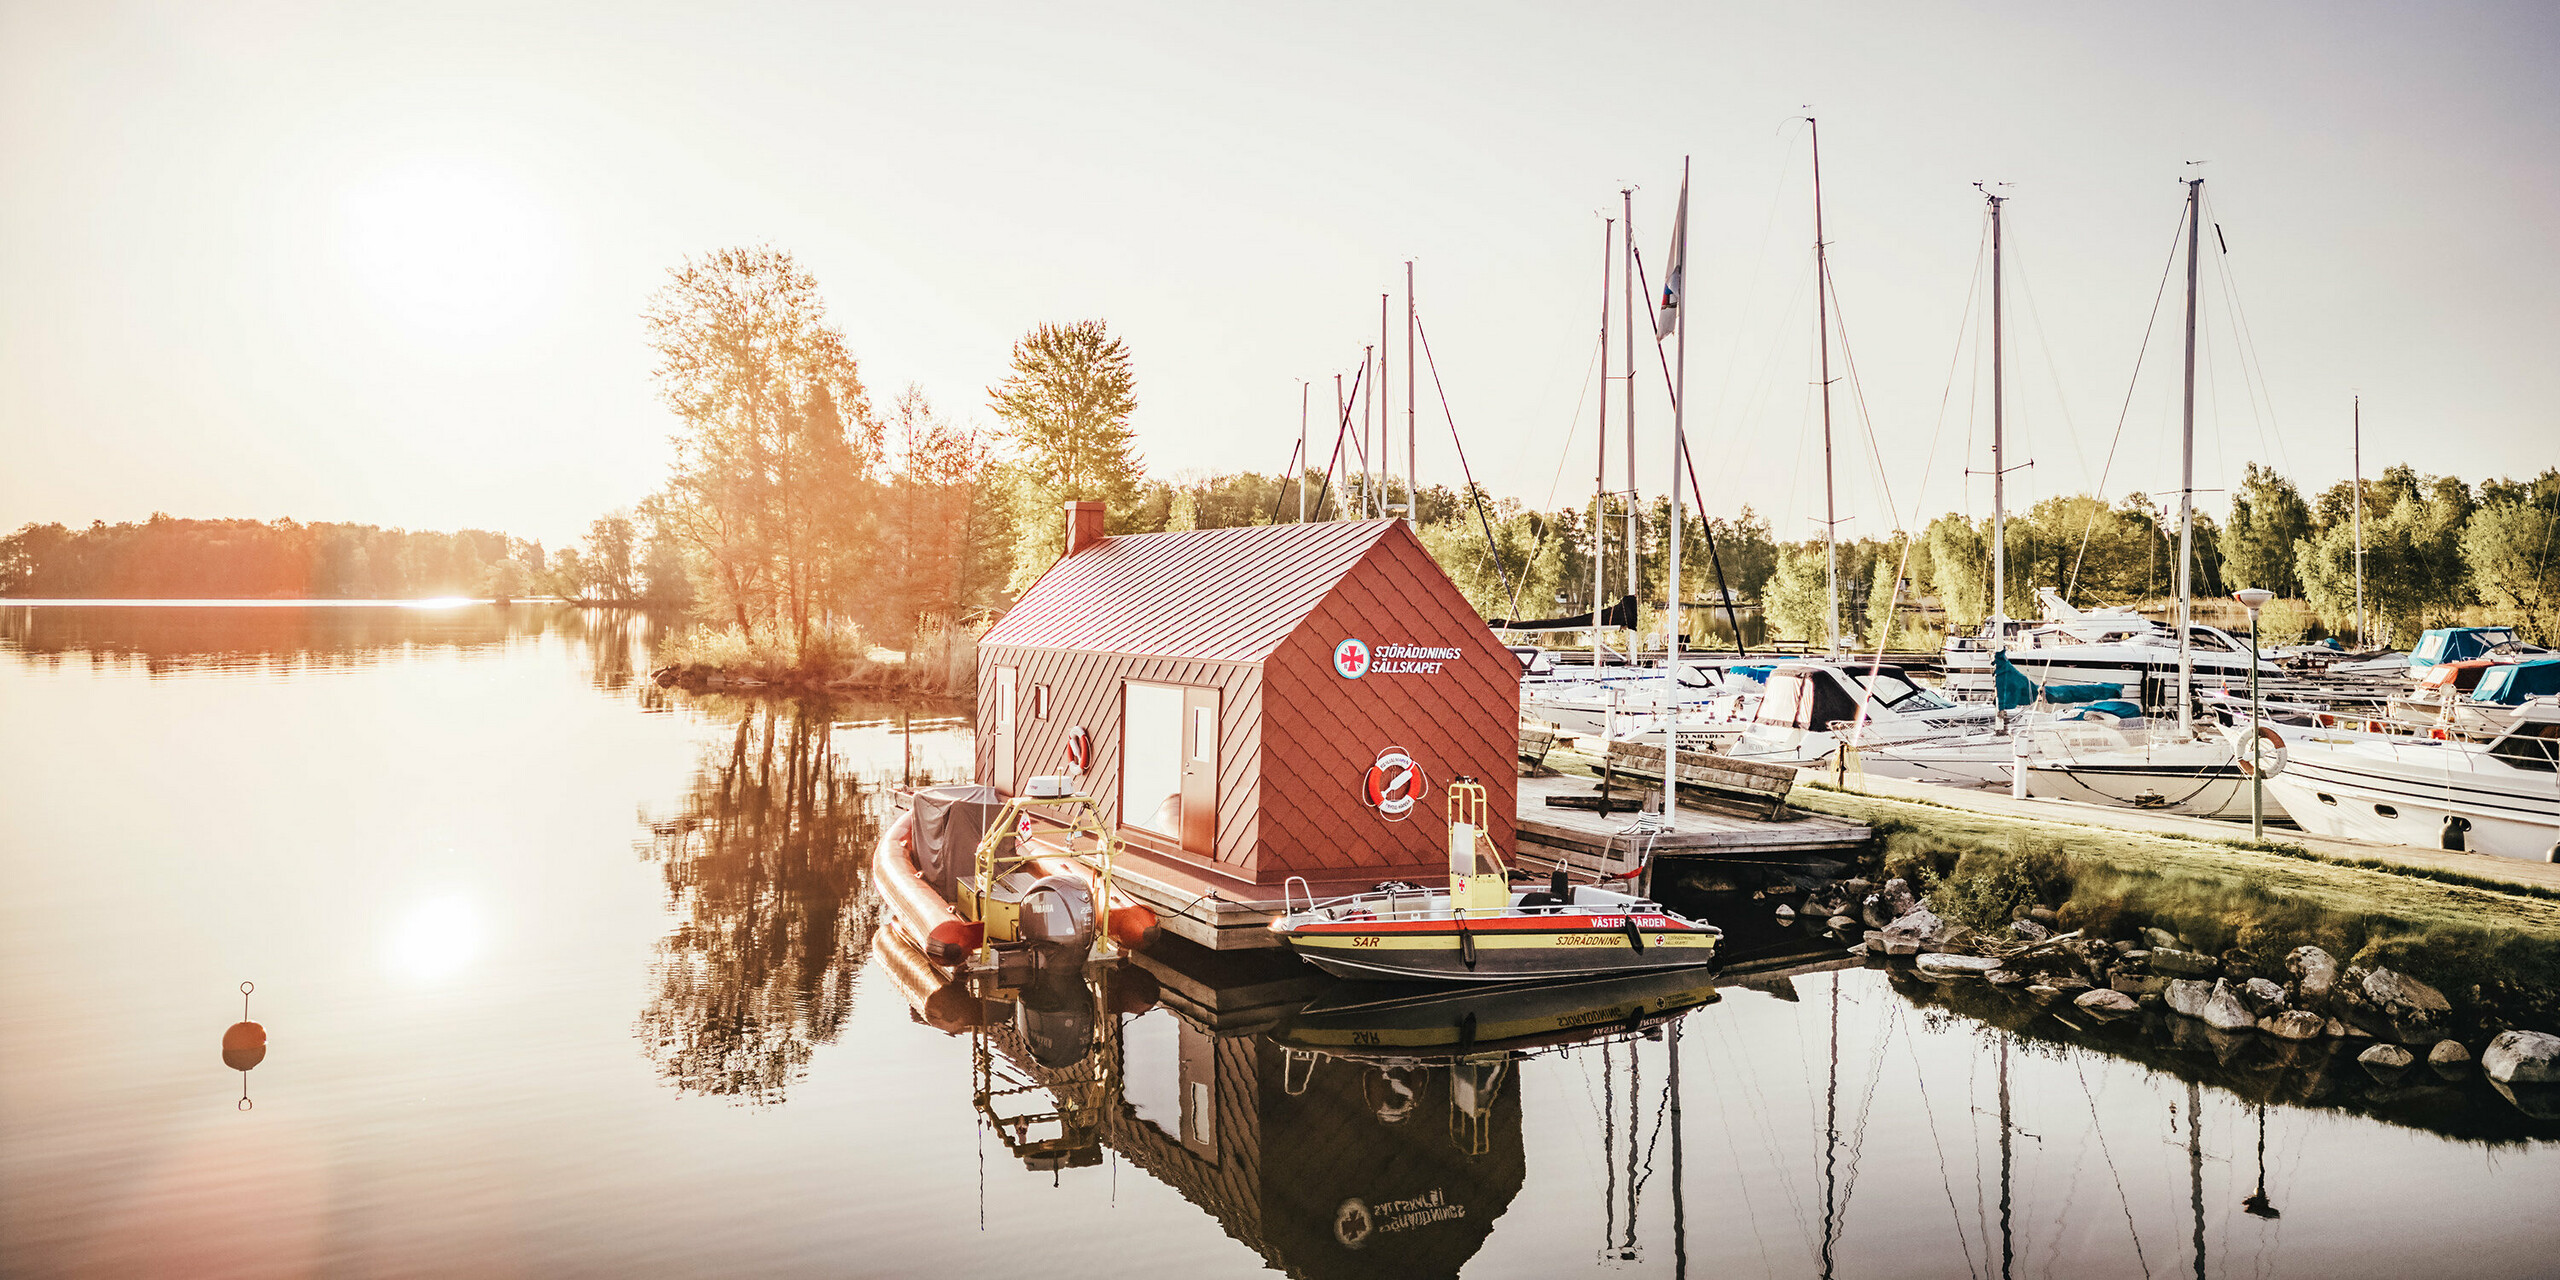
<point x="2176" y="771"/>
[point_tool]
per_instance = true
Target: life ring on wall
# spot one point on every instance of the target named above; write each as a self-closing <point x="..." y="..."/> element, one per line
<point x="2274" y="763"/>
<point x="1079" y="750"/>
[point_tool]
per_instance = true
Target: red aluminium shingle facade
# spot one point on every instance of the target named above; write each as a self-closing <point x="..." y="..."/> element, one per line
<point x="1256" y="615"/>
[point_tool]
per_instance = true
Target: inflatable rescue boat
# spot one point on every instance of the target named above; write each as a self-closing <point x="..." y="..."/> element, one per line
<point x="966" y="871"/>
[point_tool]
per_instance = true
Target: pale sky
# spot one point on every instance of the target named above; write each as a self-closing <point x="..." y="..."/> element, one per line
<point x="385" y="263"/>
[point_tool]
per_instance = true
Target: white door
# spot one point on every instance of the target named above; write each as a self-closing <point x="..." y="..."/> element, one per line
<point x="1003" y="781"/>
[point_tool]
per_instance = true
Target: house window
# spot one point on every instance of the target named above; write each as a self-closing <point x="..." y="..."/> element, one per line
<point x="1204" y="735"/>
<point x="1151" y="758"/>
<point x="1039" y="702"/>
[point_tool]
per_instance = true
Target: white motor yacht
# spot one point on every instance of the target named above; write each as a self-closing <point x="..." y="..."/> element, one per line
<point x="1810" y="709"/>
<point x="2500" y="797"/>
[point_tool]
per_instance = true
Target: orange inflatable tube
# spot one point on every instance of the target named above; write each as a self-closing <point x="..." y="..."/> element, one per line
<point x="918" y="911"/>
<point x="937" y="999"/>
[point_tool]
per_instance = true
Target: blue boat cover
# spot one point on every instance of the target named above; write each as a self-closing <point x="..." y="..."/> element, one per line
<point x="2510" y="686"/>
<point x="2453" y="644"/>
<point x="2117" y="707"/>
<point x="2016" y="690"/>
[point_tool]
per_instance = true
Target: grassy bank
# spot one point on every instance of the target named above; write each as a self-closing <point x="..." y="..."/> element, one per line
<point x="942" y="660"/>
<point x="2493" y="948"/>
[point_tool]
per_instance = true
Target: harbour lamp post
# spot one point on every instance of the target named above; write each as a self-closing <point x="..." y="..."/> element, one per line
<point x="2254" y="599"/>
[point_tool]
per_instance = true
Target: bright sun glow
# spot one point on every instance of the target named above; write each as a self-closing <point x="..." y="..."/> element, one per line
<point x="435" y="940"/>
<point x="450" y="249"/>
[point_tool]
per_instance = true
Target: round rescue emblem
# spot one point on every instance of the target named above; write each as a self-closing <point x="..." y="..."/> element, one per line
<point x="1351" y="659"/>
<point x="1352" y="1224"/>
<point x="1079" y="750"/>
<point x="1394" y="783"/>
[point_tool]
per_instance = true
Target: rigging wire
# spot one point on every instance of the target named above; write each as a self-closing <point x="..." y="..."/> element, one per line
<point x="1688" y="462"/>
<point x="1946" y="1180"/>
<point x="1572" y="432"/>
<point x="2125" y="412"/>
<point x="1474" y="492"/>
<point x="2112" y="1171"/>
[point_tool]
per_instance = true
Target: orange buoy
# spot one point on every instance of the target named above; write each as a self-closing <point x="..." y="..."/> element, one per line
<point x="244" y="1046"/>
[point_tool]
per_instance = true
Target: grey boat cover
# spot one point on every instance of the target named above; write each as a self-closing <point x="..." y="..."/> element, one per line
<point x="950" y="821"/>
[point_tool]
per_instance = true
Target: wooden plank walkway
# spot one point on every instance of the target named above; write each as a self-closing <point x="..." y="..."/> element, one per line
<point x="1588" y="841"/>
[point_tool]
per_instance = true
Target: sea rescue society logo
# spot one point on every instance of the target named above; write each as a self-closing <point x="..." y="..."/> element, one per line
<point x="1352" y="659"/>
<point x="1394" y="784"/>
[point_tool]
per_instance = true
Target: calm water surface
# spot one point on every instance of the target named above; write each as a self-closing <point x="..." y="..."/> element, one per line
<point x="565" y="976"/>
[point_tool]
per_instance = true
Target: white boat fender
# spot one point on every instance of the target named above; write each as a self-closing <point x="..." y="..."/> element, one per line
<point x="2450" y="834"/>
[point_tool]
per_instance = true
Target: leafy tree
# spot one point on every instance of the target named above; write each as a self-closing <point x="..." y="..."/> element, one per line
<point x="1066" y="407"/>
<point x="2512" y="551"/>
<point x="2268" y="519"/>
<point x="777" y="438"/>
<point x="611" y="572"/>
<point x="1960" y="568"/>
<point x="1797" y="598"/>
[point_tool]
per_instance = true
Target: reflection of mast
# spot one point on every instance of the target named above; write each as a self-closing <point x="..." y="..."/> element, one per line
<point x="2195" y="1167"/>
<point x="2257" y="1205"/>
<point x="1831" y="1137"/>
<point x="1679" y="1198"/>
<point x="2007" y="1252"/>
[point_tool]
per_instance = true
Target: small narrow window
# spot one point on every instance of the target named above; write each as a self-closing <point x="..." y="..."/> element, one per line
<point x="1039" y="702"/>
<point x="1204" y="735"/>
<point x="2326" y="798"/>
<point x="2385" y="811"/>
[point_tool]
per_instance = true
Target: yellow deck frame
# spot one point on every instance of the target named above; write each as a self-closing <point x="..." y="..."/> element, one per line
<point x="1081" y="815"/>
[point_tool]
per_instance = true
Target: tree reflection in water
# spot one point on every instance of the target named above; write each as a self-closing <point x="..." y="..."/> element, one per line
<point x="765" y="877"/>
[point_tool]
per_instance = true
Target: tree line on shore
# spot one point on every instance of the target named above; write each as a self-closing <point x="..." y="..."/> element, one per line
<point x="802" y="522"/>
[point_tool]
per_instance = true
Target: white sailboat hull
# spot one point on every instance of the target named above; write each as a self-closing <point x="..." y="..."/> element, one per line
<point x="2200" y="778"/>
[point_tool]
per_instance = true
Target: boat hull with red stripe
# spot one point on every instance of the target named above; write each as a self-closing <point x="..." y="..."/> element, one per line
<point x="1383" y="937"/>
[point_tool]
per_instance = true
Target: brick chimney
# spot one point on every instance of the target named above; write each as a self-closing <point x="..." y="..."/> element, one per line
<point x="1084" y="526"/>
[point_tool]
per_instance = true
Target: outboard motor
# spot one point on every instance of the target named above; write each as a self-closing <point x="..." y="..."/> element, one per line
<point x="1058" y="911"/>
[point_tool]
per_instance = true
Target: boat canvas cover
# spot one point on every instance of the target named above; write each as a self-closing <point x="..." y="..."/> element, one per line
<point x="2453" y="644"/>
<point x="2510" y="686"/>
<point x="950" y="821"/>
<point x="1621" y="614"/>
<point x="2018" y="690"/>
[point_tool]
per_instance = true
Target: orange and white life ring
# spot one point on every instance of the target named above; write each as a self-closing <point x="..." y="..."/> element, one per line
<point x="2273" y="759"/>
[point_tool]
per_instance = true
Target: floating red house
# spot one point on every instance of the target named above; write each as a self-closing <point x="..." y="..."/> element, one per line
<point x="1252" y="704"/>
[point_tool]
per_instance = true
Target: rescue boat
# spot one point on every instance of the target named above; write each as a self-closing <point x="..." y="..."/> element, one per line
<point x="1036" y="871"/>
<point x="1483" y="930"/>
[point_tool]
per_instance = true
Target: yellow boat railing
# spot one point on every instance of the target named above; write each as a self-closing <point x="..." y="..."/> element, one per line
<point x="1079" y="817"/>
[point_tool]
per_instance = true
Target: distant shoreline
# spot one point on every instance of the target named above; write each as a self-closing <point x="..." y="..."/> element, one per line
<point x="258" y="602"/>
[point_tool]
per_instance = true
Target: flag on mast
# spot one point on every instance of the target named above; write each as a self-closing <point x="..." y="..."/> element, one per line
<point x="1675" y="274"/>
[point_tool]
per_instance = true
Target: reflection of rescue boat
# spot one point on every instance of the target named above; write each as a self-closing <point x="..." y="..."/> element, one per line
<point x="1413" y="1020"/>
<point x="1483" y="931"/>
<point x="986" y="875"/>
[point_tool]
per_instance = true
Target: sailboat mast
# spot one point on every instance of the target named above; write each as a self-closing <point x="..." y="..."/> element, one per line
<point x="2358" y="455"/>
<point x="1999" y="432"/>
<point x="1822" y="341"/>
<point x="2187" y="469"/>
<point x="1600" y="468"/>
<point x="1386" y="407"/>
<point x="1412" y="460"/>
<point x="1676" y="289"/>
<point x="1302" y="451"/>
<point x="1627" y="244"/>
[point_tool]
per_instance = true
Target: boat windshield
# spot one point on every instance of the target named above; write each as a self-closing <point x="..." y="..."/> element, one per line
<point x="1894" y="691"/>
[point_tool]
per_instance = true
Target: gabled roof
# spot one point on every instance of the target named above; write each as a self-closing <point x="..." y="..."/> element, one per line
<point x="1213" y="595"/>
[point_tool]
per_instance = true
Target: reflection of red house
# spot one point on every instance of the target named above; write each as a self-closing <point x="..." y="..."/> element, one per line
<point x="1239" y="688"/>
